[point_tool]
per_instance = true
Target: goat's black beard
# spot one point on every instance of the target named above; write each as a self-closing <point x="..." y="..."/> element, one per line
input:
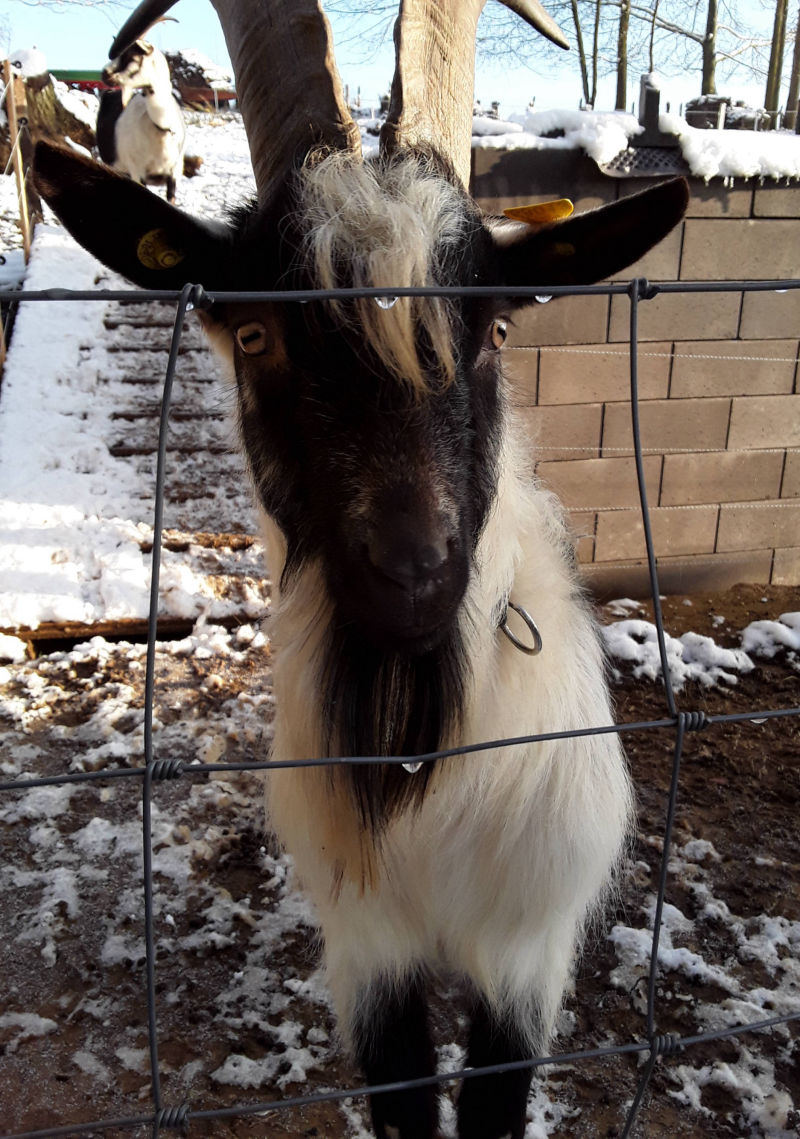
<point x="378" y="701"/>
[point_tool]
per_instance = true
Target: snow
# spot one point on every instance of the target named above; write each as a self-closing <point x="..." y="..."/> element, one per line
<point x="215" y="75"/>
<point x="633" y="643"/>
<point x="734" y="153"/>
<point x="766" y="638"/>
<point x="60" y="499"/>
<point x="28" y="61"/>
<point x="82" y="104"/>
<point x="12" y="648"/>
<point x="25" y="1025"/>
<point x="604" y="134"/>
<point x="690" y="657"/>
<point x="12" y="268"/>
<point x="772" y="942"/>
<point x="767" y="1111"/>
<point x="484" y="126"/>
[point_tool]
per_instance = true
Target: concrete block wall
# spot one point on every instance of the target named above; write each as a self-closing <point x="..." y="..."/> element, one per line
<point x="719" y="386"/>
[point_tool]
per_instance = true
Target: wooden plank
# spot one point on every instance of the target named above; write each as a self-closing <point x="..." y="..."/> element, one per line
<point x="192" y="365"/>
<point x="219" y="567"/>
<point x="11" y="84"/>
<point x="135" y="338"/>
<point x="155" y="377"/>
<point x="120" y="629"/>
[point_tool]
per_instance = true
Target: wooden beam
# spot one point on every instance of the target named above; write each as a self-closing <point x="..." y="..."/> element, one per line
<point x="16" y="156"/>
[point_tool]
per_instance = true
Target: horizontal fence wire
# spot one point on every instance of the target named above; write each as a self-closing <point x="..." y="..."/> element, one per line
<point x="154" y="770"/>
<point x="622" y="351"/>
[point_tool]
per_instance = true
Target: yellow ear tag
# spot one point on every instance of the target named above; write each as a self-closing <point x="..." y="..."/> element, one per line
<point x="541" y="211"/>
<point x="155" y="251"/>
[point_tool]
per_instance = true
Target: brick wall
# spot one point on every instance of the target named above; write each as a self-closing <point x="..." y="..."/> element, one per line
<point x="718" y="380"/>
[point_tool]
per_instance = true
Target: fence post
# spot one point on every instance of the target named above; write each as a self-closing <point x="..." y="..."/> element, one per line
<point x="16" y="157"/>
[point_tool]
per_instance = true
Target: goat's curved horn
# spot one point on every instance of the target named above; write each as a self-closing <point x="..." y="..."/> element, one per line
<point x="138" y="24"/>
<point x="287" y="86"/>
<point x="433" y="86"/>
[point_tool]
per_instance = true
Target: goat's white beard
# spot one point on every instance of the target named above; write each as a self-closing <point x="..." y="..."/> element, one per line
<point x="495" y="876"/>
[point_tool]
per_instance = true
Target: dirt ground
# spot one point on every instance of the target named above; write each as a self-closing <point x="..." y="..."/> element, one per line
<point x="237" y="966"/>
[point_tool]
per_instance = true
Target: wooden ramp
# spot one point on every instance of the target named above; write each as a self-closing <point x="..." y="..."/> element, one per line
<point x="112" y="390"/>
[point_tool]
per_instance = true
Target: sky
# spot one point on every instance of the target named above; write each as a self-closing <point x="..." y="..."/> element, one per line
<point x="73" y="36"/>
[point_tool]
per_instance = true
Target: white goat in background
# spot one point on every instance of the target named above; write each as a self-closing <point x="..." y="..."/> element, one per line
<point x="140" y="127"/>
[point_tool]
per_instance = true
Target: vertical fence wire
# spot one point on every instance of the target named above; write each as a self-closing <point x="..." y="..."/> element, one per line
<point x="184" y="303"/>
<point x="154" y="769"/>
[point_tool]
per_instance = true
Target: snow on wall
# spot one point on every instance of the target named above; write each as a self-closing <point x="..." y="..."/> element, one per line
<point x="602" y="135"/>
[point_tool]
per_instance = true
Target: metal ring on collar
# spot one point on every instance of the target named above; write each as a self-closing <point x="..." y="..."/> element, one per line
<point x="531" y="650"/>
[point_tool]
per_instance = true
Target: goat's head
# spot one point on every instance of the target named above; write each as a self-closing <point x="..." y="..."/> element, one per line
<point x="134" y="67"/>
<point x="372" y="429"/>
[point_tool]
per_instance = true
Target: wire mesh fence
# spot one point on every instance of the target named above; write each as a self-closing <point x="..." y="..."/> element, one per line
<point x="163" y="1116"/>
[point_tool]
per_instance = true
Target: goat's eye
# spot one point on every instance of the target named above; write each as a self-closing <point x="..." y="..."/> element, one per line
<point x="498" y="333"/>
<point x="252" y="338"/>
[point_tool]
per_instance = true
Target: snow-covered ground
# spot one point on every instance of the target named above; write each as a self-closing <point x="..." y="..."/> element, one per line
<point x="243" y="1010"/>
<point x="632" y="643"/>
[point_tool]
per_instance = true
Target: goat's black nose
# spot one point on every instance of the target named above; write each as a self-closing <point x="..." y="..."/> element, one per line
<point x="411" y="560"/>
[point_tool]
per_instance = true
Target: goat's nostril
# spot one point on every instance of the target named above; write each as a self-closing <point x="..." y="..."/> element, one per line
<point x="408" y="563"/>
<point x="429" y="558"/>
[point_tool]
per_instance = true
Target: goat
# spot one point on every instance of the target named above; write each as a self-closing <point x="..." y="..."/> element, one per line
<point x="401" y="523"/>
<point x="140" y="127"/>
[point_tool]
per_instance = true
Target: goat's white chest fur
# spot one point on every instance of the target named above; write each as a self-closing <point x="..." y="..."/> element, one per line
<point x="494" y="876"/>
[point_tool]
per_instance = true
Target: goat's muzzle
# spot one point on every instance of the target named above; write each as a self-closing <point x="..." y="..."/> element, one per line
<point x="408" y="580"/>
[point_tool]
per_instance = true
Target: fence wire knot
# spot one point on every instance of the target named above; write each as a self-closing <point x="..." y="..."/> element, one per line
<point x="198" y="298"/>
<point x="665" y="1045"/>
<point x="167" y="768"/>
<point x="643" y="289"/>
<point x="174" y="1117"/>
<point x="693" y="721"/>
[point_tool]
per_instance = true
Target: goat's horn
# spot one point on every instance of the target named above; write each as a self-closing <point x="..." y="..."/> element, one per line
<point x="138" y="24"/>
<point x="433" y="86"/>
<point x="287" y="86"/>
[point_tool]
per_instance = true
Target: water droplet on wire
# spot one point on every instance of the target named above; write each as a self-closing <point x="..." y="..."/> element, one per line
<point x="411" y="768"/>
<point x="386" y="302"/>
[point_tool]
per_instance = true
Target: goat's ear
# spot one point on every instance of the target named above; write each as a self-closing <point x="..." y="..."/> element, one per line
<point x="128" y="228"/>
<point x="588" y="247"/>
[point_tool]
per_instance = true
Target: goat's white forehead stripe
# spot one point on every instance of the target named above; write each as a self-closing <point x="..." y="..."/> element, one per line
<point x="155" y="251"/>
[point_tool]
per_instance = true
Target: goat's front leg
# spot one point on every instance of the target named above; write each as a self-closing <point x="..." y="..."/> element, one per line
<point x="393" y="1043"/>
<point x="493" y="1107"/>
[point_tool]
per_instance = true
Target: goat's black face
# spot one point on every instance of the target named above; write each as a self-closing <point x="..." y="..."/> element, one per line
<point x="126" y="68"/>
<point x="387" y="486"/>
<point x="385" y="481"/>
